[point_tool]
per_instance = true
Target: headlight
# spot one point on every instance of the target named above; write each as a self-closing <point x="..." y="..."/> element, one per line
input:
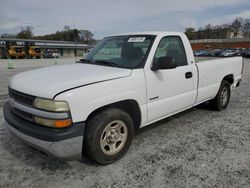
<point x="51" y="105"/>
<point x="53" y="123"/>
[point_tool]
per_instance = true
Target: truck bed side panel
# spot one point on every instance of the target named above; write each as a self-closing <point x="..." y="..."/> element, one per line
<point x="212" y="72"/>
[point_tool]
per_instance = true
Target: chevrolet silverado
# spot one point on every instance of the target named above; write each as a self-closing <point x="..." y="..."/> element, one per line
<point x="92" y="107"/>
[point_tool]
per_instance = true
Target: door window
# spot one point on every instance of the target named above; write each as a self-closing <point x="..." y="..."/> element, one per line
<point x="172" y="46"/>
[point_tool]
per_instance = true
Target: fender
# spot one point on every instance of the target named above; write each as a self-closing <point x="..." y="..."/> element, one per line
<point x="84" y="100"/>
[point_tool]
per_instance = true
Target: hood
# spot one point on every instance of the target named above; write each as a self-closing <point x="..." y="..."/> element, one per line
<point x="49" y="81"/>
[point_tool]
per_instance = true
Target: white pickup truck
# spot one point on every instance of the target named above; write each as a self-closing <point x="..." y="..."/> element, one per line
<point x="127" y="81"/>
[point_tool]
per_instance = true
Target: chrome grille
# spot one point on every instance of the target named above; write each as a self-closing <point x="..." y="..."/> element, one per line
<point x="21" y="97"/>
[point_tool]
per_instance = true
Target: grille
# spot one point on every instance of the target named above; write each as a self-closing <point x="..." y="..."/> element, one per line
<point x="21" y="97"/>
<point x="23" y="114"/>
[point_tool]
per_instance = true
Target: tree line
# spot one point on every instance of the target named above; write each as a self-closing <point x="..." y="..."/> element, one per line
<point x="238" y="28"/>
<point x="67" y="34"/>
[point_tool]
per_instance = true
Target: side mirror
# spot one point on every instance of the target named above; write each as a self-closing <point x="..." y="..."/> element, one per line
<point x="164" y="63"/>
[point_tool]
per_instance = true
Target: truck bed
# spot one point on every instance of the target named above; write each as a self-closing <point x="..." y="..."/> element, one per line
<point x="201" y="59"/>
<point x="211" y="73"/>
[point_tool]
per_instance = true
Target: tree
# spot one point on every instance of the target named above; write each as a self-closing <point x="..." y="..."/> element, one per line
<point x="75" y="35"/>
<point x="191" y="33"/>
<point x="221" y="31"/>
<point x="200" y="33"/>
<point x="208" y="31"/>
<point x="66" y="28"/>
<point x="25" y="33"/>
<point x="246" y="28"/>
<point x="86" y="36"/>
<point x="6" y="35"/>
<point x="226" y="31"/>
<point x="236" y="26"/>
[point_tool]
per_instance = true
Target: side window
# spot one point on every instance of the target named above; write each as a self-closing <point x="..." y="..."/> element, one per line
<point x="172" y="46"/>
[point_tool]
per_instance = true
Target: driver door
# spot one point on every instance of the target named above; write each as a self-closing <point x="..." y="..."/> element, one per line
<point x="170" y="90"/>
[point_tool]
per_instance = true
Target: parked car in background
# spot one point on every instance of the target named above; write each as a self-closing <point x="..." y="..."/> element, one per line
<point x="50" y="54"/>
<point x="55" y="54"/>
<point x="216" y="52"/>
<point x="246" y="53"/>
<point x="202" y="53"/>
<point x="229" y="53"/>
<point x="238" y="51"/>
<point x="47" y="54"/>
<point x="226" y="52"/>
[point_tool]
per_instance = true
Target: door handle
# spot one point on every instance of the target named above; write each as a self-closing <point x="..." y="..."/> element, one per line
<point x="188" y="75"/>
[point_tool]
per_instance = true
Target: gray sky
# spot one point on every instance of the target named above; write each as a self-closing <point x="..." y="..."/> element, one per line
<point x="105" y="17"/>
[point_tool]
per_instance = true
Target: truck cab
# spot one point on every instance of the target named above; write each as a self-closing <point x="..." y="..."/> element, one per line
<point x="16" y="52"/>
<point x="33" y="52"/>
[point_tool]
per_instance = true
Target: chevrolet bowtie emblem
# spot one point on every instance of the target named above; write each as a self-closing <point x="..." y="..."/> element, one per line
<point x="12" y="102"/>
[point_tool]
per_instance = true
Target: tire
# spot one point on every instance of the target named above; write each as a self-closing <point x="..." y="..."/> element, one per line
<point x="102" y="143"/>
<point x="221" y="101"/>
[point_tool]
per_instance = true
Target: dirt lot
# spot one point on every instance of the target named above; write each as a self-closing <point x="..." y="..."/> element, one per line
<point x="197" y="148"/>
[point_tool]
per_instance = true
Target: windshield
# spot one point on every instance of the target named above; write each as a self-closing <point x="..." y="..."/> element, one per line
<point x="128" y="51"/>
<point x="18" y="49"/>
<point x="37" y="50"/>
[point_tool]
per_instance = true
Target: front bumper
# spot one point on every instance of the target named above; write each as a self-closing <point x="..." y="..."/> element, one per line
<point x="63" y="143"/>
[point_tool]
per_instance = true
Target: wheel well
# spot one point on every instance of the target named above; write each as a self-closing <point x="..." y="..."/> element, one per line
<point x="229" y="78"/>
<point x="130" y="106"/>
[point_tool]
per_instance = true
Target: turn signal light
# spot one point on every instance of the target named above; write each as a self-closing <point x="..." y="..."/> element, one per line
<point x="53" y="123"/>
<point x="62" y="123"/>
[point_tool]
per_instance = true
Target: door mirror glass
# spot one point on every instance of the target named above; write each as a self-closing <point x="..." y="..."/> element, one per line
<point x="166" y="62"/>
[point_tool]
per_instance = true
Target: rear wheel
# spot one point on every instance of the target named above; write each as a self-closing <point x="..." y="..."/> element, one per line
<point x="108" y="135"/>
<point x="221" y="101"/>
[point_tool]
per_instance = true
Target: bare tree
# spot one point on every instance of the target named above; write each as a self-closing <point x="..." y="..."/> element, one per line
<point x="191" y="33"/>
<point x="236" y="26"/>
<point x="66" y="28"/>
<point x="6" y="35"/>
<point x="208" y="31"/>
<point x="246" y="28"/>
<point x="25" y="33"/>
<point x="226" y="29"/>
<point x="86" y="36"/>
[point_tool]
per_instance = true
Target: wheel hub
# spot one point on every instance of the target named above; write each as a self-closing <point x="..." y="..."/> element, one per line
<point x="113" y="137"/>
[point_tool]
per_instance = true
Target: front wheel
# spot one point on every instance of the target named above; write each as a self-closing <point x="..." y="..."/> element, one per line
<point x="108" y="135"/>
<point x="221" y="101"/>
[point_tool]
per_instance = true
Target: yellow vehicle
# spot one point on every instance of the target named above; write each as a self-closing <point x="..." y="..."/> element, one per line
<point x="16" y="52"/>
<point x="33" y="51"/>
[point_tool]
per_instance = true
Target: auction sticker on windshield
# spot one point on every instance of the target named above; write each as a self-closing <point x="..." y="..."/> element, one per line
<point x="136" y="39"/>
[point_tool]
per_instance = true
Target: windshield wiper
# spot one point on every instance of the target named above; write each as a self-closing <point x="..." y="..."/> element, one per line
<point x="108" y="63"/>
<point x="84" y="60"/>
<point x="100" y="62"/>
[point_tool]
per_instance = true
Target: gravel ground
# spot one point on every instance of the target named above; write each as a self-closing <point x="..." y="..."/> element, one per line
<point x="196" y="148"/>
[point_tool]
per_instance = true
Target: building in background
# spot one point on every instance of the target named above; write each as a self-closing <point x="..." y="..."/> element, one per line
<point x="64" y="48"/>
